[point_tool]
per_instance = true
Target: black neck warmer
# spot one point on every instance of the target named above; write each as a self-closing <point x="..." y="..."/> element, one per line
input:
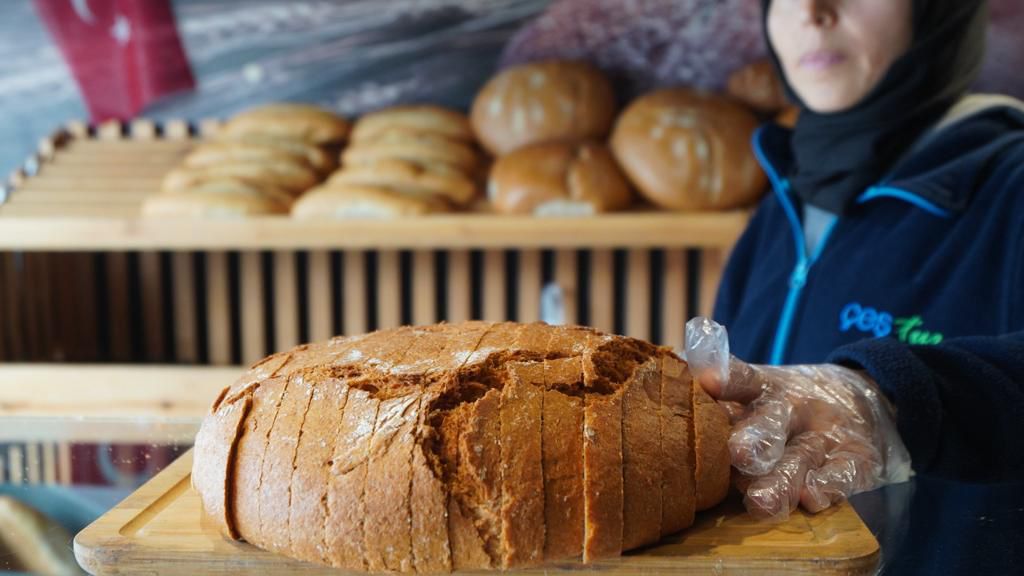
<point x="838" y="155"/>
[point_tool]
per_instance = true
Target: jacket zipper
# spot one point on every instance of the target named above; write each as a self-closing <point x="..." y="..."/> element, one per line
<point x="798" y="278"/>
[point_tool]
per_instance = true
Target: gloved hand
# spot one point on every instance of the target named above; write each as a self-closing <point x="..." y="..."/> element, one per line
<point x="802" y="435"/>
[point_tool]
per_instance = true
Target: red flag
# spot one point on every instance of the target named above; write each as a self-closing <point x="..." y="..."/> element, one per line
<point x="124" y="54"/>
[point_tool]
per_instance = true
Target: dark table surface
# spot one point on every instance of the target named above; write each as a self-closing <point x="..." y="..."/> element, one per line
<point x="934" y="526"/>
<point x="925" y="526"/>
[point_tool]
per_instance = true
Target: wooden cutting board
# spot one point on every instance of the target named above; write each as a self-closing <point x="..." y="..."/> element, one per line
<point x="160" y="529"/>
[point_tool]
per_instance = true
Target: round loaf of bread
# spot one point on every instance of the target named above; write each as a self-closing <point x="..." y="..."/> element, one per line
<point x="689" y="150"/>
<point x="758" y="85"/>
<point x="542" y="102"/>
<point x="460" y="447"/>
<point x="558" y="178"/>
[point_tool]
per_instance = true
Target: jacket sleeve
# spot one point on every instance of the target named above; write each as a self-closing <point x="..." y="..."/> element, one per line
<point x="960" y="404"/>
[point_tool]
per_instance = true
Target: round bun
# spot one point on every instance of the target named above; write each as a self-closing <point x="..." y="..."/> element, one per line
<point x="418" y="118"/>
<point x="758" y="85"/>
<point x="542" y="102"/>
<point x="558" y="179"/>
<point x="689" y="150"/>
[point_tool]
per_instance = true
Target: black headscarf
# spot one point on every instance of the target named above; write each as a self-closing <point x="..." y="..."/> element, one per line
<point x="838" y="155"/>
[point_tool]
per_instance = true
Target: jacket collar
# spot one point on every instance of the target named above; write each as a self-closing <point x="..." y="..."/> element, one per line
<point x="942" y="171"/>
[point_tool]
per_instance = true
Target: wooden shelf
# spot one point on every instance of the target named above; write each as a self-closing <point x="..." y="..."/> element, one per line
<point x="67" y="232"/>
<point x="83" y="191"/>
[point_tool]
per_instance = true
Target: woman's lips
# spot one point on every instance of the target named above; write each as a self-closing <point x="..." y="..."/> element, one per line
<point x="821" y="60"/>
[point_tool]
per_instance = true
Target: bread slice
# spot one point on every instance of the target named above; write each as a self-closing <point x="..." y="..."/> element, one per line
<point x="388" y="478"/>
<point x="317" y="439"/>
<point x="428" y="497"/>
<point x="252" y="449"/>
<point x="641" y="457"/>
<point x="563" y="458"/>
<point x="279" y="462"/>
<point x="711" y="436"/>
<point x="467" y="547"/>
<point x="428" y="501"/>
<point x="602" y="476"/>
<point x="479" y="483"/>
<point x="356" y="543"/>
<point x="678" y="480"/>
<point x="522" y="499"/>
<point x="345" y="505"/>
<point x="215" y="446"/>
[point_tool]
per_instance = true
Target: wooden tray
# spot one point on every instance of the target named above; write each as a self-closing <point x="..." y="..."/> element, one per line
<point x="160" y="530"/>
<point x="84" y="188"/>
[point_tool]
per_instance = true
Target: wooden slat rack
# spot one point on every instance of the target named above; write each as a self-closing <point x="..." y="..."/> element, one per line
<point x="83" y="277"/>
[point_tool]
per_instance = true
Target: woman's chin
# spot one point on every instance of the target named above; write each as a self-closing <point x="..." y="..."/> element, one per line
<point x="829" y="98"/>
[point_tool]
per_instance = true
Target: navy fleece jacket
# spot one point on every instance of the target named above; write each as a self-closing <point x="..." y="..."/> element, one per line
<point x="922" y="285"/>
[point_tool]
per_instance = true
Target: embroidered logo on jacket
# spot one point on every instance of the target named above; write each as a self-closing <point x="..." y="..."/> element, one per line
<point x="909" y="329"/>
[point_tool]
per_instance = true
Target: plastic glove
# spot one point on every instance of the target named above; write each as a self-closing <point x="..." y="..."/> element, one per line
<point x="802" y="435"/>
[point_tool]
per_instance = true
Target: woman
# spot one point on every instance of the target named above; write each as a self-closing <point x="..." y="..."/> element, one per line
<point x="892" y="250"/>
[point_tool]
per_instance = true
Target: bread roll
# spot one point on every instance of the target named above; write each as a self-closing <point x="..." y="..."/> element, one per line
<point x="260" y="149"/>
<point x="340" y="201"/>
<point x="459" y="447"/>
<point x="411" y="178"/>
<point x="412" y="146"/>
<point x="558" y="178"/>
<point x="289" y="121"/>
<point x="416" y="118"/>
<point x="758" y="85"/>
<point x="689" y="150"/>
<point x="542" y="102"/>
<point x="219" y="198"/>
<point x="281" y="172"/>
